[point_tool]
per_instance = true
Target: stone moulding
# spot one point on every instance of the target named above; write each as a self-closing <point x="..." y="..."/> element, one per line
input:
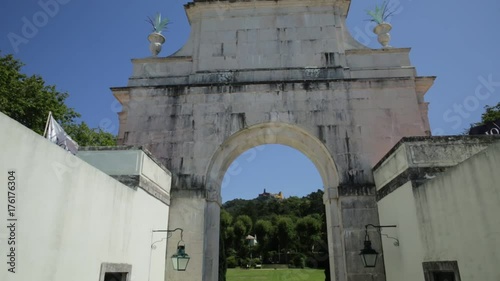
<point x="356" y="190"/>
<point x="312" y="72"/>
<point x="342" y="6"/>
<point x="353" y="64"/>
<point x="377" y="51"/>
<point x="420" y="159"/>
<point x="136" y="181"/>
<point x="122" y="93"/>
<point x="133" y="166"/>
<point x="437" y="139"/>
<point x="224" y="77"/>
<point x="417" y="177"/>
<point x="163" y="59"/>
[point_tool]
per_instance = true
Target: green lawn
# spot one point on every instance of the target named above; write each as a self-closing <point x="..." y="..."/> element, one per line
<point x="234" y="274"/>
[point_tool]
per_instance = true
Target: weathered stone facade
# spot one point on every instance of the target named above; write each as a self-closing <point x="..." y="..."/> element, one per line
<point x="262" y="72"/>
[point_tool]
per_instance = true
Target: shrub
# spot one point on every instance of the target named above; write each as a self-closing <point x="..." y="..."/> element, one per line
<point x="299" y="261"/>
<point x="245" y="263"/>
<point x="232" y="262"/>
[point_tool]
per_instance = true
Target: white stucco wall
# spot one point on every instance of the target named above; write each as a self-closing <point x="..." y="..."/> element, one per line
<point x="72" y="217"/>
<point x="454" y="217"/>
<point x="459" y="218"/>
<point x="403" y="262"/>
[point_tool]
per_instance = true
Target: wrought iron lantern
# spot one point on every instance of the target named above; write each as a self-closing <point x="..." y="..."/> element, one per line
<point x="180" y="259"/>
<point x="368" y="254"/>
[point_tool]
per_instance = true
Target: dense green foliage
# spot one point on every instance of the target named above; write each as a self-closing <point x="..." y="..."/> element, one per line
<point x="491" y="113"/>
<point x="86" y="136"/>
<point x="28" y="100"/>
<point x="290" y="231"/>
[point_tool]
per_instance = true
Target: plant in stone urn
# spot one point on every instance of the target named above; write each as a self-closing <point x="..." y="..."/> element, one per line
<point x="156" y="38"/>
<point x="379" y="15"/>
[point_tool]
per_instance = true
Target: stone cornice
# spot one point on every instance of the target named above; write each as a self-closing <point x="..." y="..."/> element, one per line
<point x="483" y="140"/>
<point x="308" y="85"/>
<point x="264" y="76"/>
<point x="419" y="159"/>
<point x="423" y="84"/>
<point x="417" y="176"/>
<point x="343" y="4"/>
<point x="356" y="190"/>
<point x="127" y="147"/>
<point x="137" y="181"/>
<point x="377" y="51"/>
<point x="162" y="59"/>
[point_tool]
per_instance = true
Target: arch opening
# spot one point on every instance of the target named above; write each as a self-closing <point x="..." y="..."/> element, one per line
<point x="270" y="168"/>
<point x="272" y="133"/>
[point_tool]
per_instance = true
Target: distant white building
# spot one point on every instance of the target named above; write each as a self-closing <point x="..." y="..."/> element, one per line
<point x="251" y="240"/>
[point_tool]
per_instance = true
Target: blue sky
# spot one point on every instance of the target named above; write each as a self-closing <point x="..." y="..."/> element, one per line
<point x="85" y="47"/>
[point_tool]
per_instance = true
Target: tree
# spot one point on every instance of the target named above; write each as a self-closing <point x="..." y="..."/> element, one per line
<point x="285" y="232"/>
<point x="240" y="230"/>
<point x="225" y="219"/>
<point x="308" y="231"/>
<point x="492" y="113"/>
<point x="264" y="230"/>
<point x="226" y="230"/>
<point x="230" y="237"/>
<point x="28" y="100"/>
<point x="247" y="221"/>
<point x="291" y="206"/>
<point x="316" y="205"/>
<point x="86" y="136"/>
<point x="301" y="222"/>
<point x="487" y="125"/>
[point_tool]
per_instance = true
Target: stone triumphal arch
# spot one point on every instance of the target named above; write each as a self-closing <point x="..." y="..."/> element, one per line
<point x="263" y="72"/>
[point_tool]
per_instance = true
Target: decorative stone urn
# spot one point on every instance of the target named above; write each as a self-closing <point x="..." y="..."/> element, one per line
<point x="157" y="41"/>
<point x="382" y="30"/>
